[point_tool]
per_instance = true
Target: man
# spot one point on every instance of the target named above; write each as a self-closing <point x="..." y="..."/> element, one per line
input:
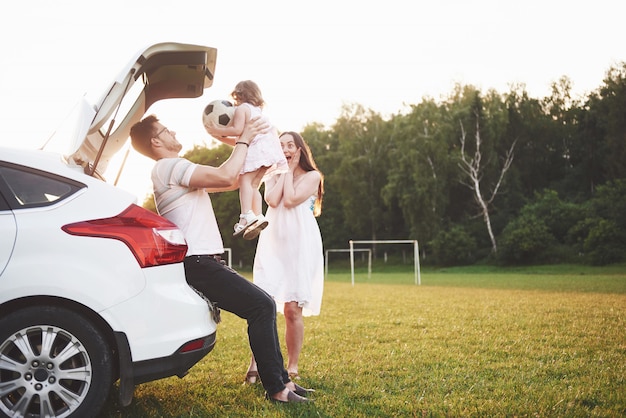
<point x="181" y="195"/>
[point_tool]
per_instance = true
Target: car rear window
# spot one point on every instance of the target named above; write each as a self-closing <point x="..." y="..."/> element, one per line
<point x="25" y="187"/>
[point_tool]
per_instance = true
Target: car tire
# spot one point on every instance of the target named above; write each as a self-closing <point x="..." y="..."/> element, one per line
<point x="53" y="362"/>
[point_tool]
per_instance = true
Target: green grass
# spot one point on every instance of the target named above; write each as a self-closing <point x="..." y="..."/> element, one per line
<point x="543" y="341"/>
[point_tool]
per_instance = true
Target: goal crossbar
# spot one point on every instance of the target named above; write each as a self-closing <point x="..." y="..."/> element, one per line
<point x="418" y="279"/>
<point x="347" y="250"/>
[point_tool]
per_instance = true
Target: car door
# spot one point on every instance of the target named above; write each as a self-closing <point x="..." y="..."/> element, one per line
<point x="8" y="231"/>
<point x="23" y="188"/>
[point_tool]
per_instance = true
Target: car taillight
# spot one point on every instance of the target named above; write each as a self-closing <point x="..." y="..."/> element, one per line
<point x="153" y="240"/>
<point x="192" y="346"/>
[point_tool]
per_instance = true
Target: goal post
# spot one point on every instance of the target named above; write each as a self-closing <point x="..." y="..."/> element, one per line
<point x="347" y="250"/>
<point x="230" y="256"/>
<point x="416" y="266"/>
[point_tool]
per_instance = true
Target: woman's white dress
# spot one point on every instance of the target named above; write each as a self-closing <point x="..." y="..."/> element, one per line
<point x="289" y="260"/>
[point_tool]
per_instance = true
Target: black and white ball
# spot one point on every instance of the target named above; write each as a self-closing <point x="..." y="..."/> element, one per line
<point x="219" y="111"/>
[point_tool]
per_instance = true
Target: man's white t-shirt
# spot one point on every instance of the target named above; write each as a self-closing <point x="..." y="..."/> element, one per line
<point x="190" y="209"/>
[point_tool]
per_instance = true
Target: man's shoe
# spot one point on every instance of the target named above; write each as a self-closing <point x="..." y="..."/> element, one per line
<point x="299" y="390"/>
<point x="291" y="398"/>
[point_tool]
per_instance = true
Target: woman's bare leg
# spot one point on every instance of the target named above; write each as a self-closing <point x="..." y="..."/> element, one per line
<point x="252" y="375"/>
<point x="294" y="335"/>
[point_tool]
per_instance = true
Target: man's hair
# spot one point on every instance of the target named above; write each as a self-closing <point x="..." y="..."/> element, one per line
<point x="141" y="135"/>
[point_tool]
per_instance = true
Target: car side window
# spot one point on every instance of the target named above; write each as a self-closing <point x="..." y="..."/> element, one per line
<point x="31" y="188"/>
<point x="3" y="203"/>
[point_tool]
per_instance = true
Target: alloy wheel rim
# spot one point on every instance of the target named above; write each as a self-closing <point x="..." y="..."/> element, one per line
<point x="44" y="371"/>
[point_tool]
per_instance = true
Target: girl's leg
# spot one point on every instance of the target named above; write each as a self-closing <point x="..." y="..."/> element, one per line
<point x="257" y="199"/>
<point x="294" y="336"/>
<point x="246" y="191"/>
<point x="257" y="203"/>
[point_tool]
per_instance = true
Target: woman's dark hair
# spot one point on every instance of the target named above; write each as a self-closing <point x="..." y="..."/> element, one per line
<point x="307" y="163"/>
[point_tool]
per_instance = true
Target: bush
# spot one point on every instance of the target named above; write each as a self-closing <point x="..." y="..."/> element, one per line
<point x="525" y="240"/>
<point x="557" y="215"/>
<point x="601" y="235"/>
<point x="454" y="247"/>
<point x="606" y="243"/>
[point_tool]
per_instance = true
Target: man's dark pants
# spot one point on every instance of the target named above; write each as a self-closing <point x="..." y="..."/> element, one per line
<point x="234" y="293"/>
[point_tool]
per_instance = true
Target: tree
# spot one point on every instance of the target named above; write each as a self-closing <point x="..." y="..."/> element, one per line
<point x="420" y="172"/>
<point x="365" y="144"/>
<point x="606" y="239"/>
<point x="324" y="146"/>
<point x="598" y="146"/>
<point x="473" y="167"/>
<point x="608" y="108"/>
<point x="543" y="133"/>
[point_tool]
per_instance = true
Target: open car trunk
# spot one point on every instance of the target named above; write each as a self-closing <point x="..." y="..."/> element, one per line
<point x="161" y="71"/>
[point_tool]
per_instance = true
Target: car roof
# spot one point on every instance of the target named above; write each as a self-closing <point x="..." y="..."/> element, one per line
<point x="161" y="71"/>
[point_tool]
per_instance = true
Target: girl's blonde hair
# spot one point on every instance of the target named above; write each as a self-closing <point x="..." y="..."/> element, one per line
<point x="248" y="92"/>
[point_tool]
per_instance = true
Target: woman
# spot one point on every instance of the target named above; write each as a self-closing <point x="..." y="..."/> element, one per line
<point x="289" y="261"/>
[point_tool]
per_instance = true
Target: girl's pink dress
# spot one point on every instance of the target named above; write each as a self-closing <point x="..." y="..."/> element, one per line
<point x="264" y="151"/>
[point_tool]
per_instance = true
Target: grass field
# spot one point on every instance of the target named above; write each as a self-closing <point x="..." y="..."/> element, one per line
<point x="469" y="342"/>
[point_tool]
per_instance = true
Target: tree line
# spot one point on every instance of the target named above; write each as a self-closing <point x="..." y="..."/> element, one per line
<point x="475" y="177"/>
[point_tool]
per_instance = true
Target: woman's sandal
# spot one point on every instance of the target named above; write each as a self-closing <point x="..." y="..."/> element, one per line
<point x="251" y="377"/>
<point x="294" y="376"/>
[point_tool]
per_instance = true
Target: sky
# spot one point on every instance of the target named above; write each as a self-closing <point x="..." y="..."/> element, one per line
<point x="309" y="58"/>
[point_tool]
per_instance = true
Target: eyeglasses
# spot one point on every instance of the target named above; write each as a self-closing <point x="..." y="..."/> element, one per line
<point x="161" y="131"/>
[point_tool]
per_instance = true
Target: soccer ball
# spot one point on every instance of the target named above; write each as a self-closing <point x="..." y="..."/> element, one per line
<point x="219" y="111"/>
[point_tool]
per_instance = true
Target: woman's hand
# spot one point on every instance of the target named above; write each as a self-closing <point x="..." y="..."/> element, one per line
<point x="295" y="160"/>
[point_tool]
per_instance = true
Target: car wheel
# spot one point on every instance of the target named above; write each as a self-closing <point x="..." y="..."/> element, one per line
<point x="53" y="363"/>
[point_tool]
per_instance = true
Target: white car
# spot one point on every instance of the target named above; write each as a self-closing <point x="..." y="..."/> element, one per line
<point x="92" y="286"/>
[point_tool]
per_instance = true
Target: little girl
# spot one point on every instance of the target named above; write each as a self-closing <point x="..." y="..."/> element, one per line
<point x="264" y="159"/>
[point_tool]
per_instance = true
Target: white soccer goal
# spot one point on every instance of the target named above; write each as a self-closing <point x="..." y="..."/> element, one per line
<point x="230" y="256"/>
<point x="416" y="252"/>
<point x="347" y="250"/>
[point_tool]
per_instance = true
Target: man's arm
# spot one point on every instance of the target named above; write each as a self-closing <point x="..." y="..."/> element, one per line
<point x="225" y="176"/>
